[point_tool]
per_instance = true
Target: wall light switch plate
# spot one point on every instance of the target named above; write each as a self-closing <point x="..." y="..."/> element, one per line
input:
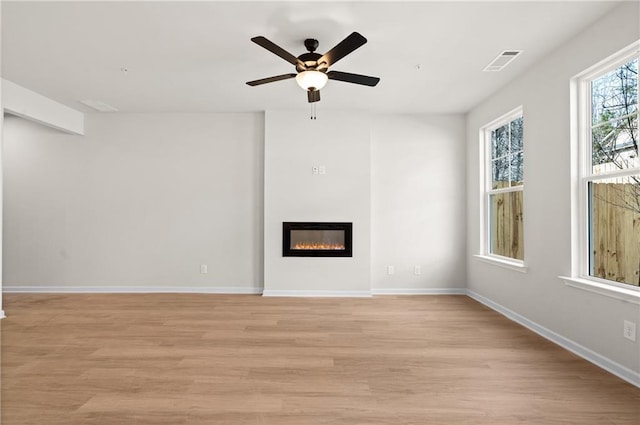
<point x="322" y="169"/>
<point x="314" y="169"/>
<point x="204" y="269"/>
<point x="417" y="270"/>
<point x="390" y="270"/>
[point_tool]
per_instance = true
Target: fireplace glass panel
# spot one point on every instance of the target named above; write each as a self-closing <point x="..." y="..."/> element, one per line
<point x="317" y="239"/>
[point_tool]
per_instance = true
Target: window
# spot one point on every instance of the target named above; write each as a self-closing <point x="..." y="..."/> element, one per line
<point x="503" y="188"/>
<point x="609" y="172"/>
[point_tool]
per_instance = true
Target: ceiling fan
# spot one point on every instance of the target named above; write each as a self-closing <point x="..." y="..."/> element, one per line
<point x="312" y="68"/>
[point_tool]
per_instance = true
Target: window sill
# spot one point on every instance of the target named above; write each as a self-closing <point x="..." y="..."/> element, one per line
<point x="623" y="294"/>
<point x="511" y="265"/>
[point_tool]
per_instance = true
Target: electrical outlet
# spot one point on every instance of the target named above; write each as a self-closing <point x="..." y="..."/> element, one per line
<point x="629" y="330"/>
<point x="417" y="270"/>
<point x="204" y="269"/>
<point x="390" y="270"/>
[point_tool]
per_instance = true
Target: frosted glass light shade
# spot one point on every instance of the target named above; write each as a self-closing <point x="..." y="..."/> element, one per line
<point x="308" y="79"/>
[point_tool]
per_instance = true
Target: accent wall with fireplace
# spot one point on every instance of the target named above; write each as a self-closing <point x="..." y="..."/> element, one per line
<point x="296" y="197"/>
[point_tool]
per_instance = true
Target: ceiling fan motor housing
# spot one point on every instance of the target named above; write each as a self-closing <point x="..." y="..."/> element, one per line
<point x="310" y="60"/>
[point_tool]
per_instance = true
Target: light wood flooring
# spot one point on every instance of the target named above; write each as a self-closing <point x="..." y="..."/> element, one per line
<point x="244" y="359"/>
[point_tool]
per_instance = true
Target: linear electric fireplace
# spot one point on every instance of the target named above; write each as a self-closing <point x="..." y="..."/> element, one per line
<point x="316" y="239"/>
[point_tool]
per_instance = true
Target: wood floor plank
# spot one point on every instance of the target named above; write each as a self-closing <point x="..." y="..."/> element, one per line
<point x="193" y="359"/>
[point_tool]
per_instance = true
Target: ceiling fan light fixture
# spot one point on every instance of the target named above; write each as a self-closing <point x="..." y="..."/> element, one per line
<point x="311" y="79"/>
<point x="313" y="68"/>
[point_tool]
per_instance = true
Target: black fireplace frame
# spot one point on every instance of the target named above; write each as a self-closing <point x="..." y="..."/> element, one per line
<point x="288" y="226"/>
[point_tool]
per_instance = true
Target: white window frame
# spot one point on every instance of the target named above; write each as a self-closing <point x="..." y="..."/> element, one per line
<point x="486" y="191"/>
<point x="582" y="174"/>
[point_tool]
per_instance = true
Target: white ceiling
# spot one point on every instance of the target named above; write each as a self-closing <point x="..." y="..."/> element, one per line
<point x="197" y="56"/>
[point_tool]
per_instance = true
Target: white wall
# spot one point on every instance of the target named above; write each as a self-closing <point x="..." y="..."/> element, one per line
<point x="589" y="320"/>
<point x="293" y="145"/>
<point x="384" y="173"/>
<point x="140" y="200"/>
<point x="418" y="172"/>
<point x="1" y="165"/>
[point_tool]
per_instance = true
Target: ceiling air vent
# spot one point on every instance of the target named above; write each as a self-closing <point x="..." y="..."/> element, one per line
<point x="502" y="60"/>
<point x="99" y="106"/>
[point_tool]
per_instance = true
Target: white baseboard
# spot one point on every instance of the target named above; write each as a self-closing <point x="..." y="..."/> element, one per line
<point x="617" y="369"/>
<point x="287" y="293"/>
<point x="419" y="291"/>
<point x="133" y="289"/>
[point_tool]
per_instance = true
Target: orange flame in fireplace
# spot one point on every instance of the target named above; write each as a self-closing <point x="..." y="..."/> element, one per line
<point x="319" y="246"/>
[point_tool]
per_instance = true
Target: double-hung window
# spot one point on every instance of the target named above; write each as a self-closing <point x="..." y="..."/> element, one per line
<point x="503" y="181"/>
<point x="609" y="172"/>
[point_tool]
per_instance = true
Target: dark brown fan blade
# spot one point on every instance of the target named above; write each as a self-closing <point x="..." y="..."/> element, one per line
<point x="342" y="49"/>
<point x="271" y="79"/>
<point x="347" y="77"/>
<point x="274" y="48"/>
<point x="313" y="96"/>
